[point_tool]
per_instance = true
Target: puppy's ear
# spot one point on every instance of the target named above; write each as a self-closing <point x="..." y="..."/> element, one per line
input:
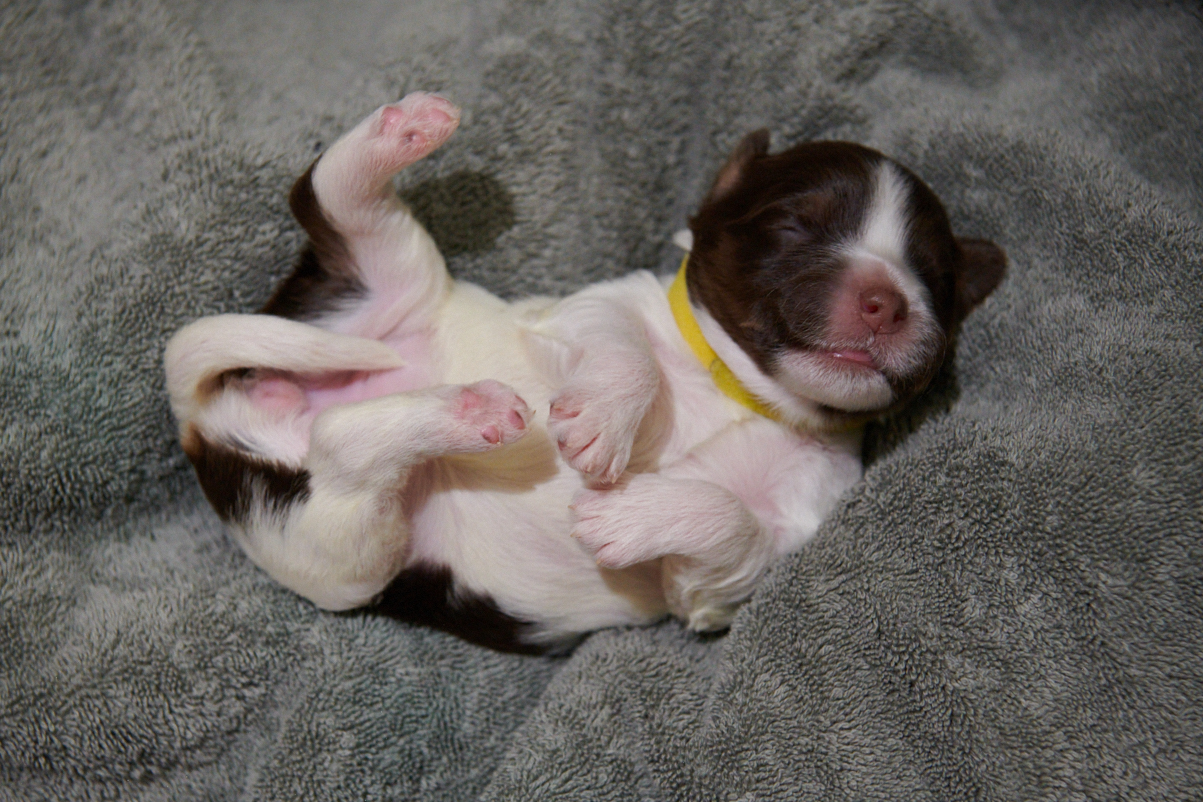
<point x="983" y="265"/>
<point x="752" y="146"/>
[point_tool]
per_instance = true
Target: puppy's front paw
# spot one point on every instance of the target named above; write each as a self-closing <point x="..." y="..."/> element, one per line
<point x="488" y="414"/>
<point x="623" y="525"/>
<point x="594" y="423"/>
<point x="592" y="438"/>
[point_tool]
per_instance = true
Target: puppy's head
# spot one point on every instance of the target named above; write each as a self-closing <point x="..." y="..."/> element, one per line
<point x="828" y="278"/>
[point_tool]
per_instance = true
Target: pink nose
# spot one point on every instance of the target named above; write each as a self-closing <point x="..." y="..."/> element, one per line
<point x="882" y="309"/>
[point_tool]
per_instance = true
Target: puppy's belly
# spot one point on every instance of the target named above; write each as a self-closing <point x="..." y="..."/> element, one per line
<point x="501" y="522"/>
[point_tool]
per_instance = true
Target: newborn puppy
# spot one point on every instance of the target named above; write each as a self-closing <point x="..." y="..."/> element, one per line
<point x="521" y="473"/>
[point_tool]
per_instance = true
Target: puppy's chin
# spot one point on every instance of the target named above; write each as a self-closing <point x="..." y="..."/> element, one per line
<point x="844" y="380"/>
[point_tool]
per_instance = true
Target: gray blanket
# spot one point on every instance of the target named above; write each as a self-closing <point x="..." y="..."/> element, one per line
<point x="1009" y="606"/>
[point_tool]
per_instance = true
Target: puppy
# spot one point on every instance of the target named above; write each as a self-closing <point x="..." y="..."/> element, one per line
<point x="521" y="473"/>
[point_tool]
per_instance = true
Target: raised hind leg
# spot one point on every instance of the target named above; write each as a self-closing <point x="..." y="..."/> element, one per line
<point x="369" y="267"/>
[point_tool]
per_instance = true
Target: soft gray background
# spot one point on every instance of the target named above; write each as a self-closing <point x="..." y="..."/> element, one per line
<point x="1008" y="607"/>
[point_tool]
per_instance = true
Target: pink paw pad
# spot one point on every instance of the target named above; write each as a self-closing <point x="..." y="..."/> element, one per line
<point x="495" y="411"/>
<point x="418" y="123"/>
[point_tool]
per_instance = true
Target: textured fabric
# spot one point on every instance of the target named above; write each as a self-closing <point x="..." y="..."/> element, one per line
<point x="1009" y="606"/>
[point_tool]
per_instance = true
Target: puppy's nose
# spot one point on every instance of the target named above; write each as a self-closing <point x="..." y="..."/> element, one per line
<point x="882" y="309"/>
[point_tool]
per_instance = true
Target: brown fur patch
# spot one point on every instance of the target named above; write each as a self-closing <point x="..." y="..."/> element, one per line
<point x="425" y="595"/>
<point x="230" y="478"/>
<point x="325" y="277"/>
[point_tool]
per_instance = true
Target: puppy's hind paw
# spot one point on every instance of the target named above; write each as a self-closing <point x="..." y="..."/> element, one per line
<point x="489" y="414"/>
<point x="411" y="128"/>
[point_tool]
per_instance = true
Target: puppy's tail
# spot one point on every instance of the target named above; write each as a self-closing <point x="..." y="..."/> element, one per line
<point x="198" y="354"/>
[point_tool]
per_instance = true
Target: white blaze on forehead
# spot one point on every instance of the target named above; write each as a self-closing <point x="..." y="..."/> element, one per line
<point x="883" y="234"/>
<point x="884" y="231"/>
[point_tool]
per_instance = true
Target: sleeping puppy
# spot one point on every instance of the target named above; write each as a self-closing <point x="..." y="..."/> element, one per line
<point x="520" y="473"/>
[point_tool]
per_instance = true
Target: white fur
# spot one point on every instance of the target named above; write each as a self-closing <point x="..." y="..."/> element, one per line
<point x="883" y="232"/>
<point x="681" y="497"/>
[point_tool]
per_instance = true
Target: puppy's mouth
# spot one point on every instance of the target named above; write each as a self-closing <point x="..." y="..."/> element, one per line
<point x="849" y="379"/>
<point x="852" y="359"/>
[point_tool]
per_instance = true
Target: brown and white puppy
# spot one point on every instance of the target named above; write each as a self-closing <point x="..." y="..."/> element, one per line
<point x="520" y="473"/>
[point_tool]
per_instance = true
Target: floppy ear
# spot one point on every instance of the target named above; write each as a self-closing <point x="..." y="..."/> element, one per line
<point x="752" y="146"/>
<point x="983" y="265"/>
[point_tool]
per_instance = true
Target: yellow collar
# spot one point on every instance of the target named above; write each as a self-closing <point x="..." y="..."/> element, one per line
<point x="724" y="379"/>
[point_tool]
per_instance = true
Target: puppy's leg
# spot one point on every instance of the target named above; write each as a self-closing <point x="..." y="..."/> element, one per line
<point x="720" y="515"/>
<point x="713" y="548"/>
<point x="611" y="381"/>
<point x="369" y="266"/>
<point x="342" y="539"/>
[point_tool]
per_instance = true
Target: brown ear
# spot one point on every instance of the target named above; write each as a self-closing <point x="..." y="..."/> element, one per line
<point x="752" y="146"/>
<point x="983" y="265"/>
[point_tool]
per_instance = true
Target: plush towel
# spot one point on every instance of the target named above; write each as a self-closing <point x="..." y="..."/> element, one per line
<point x="1009" y="606"/>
